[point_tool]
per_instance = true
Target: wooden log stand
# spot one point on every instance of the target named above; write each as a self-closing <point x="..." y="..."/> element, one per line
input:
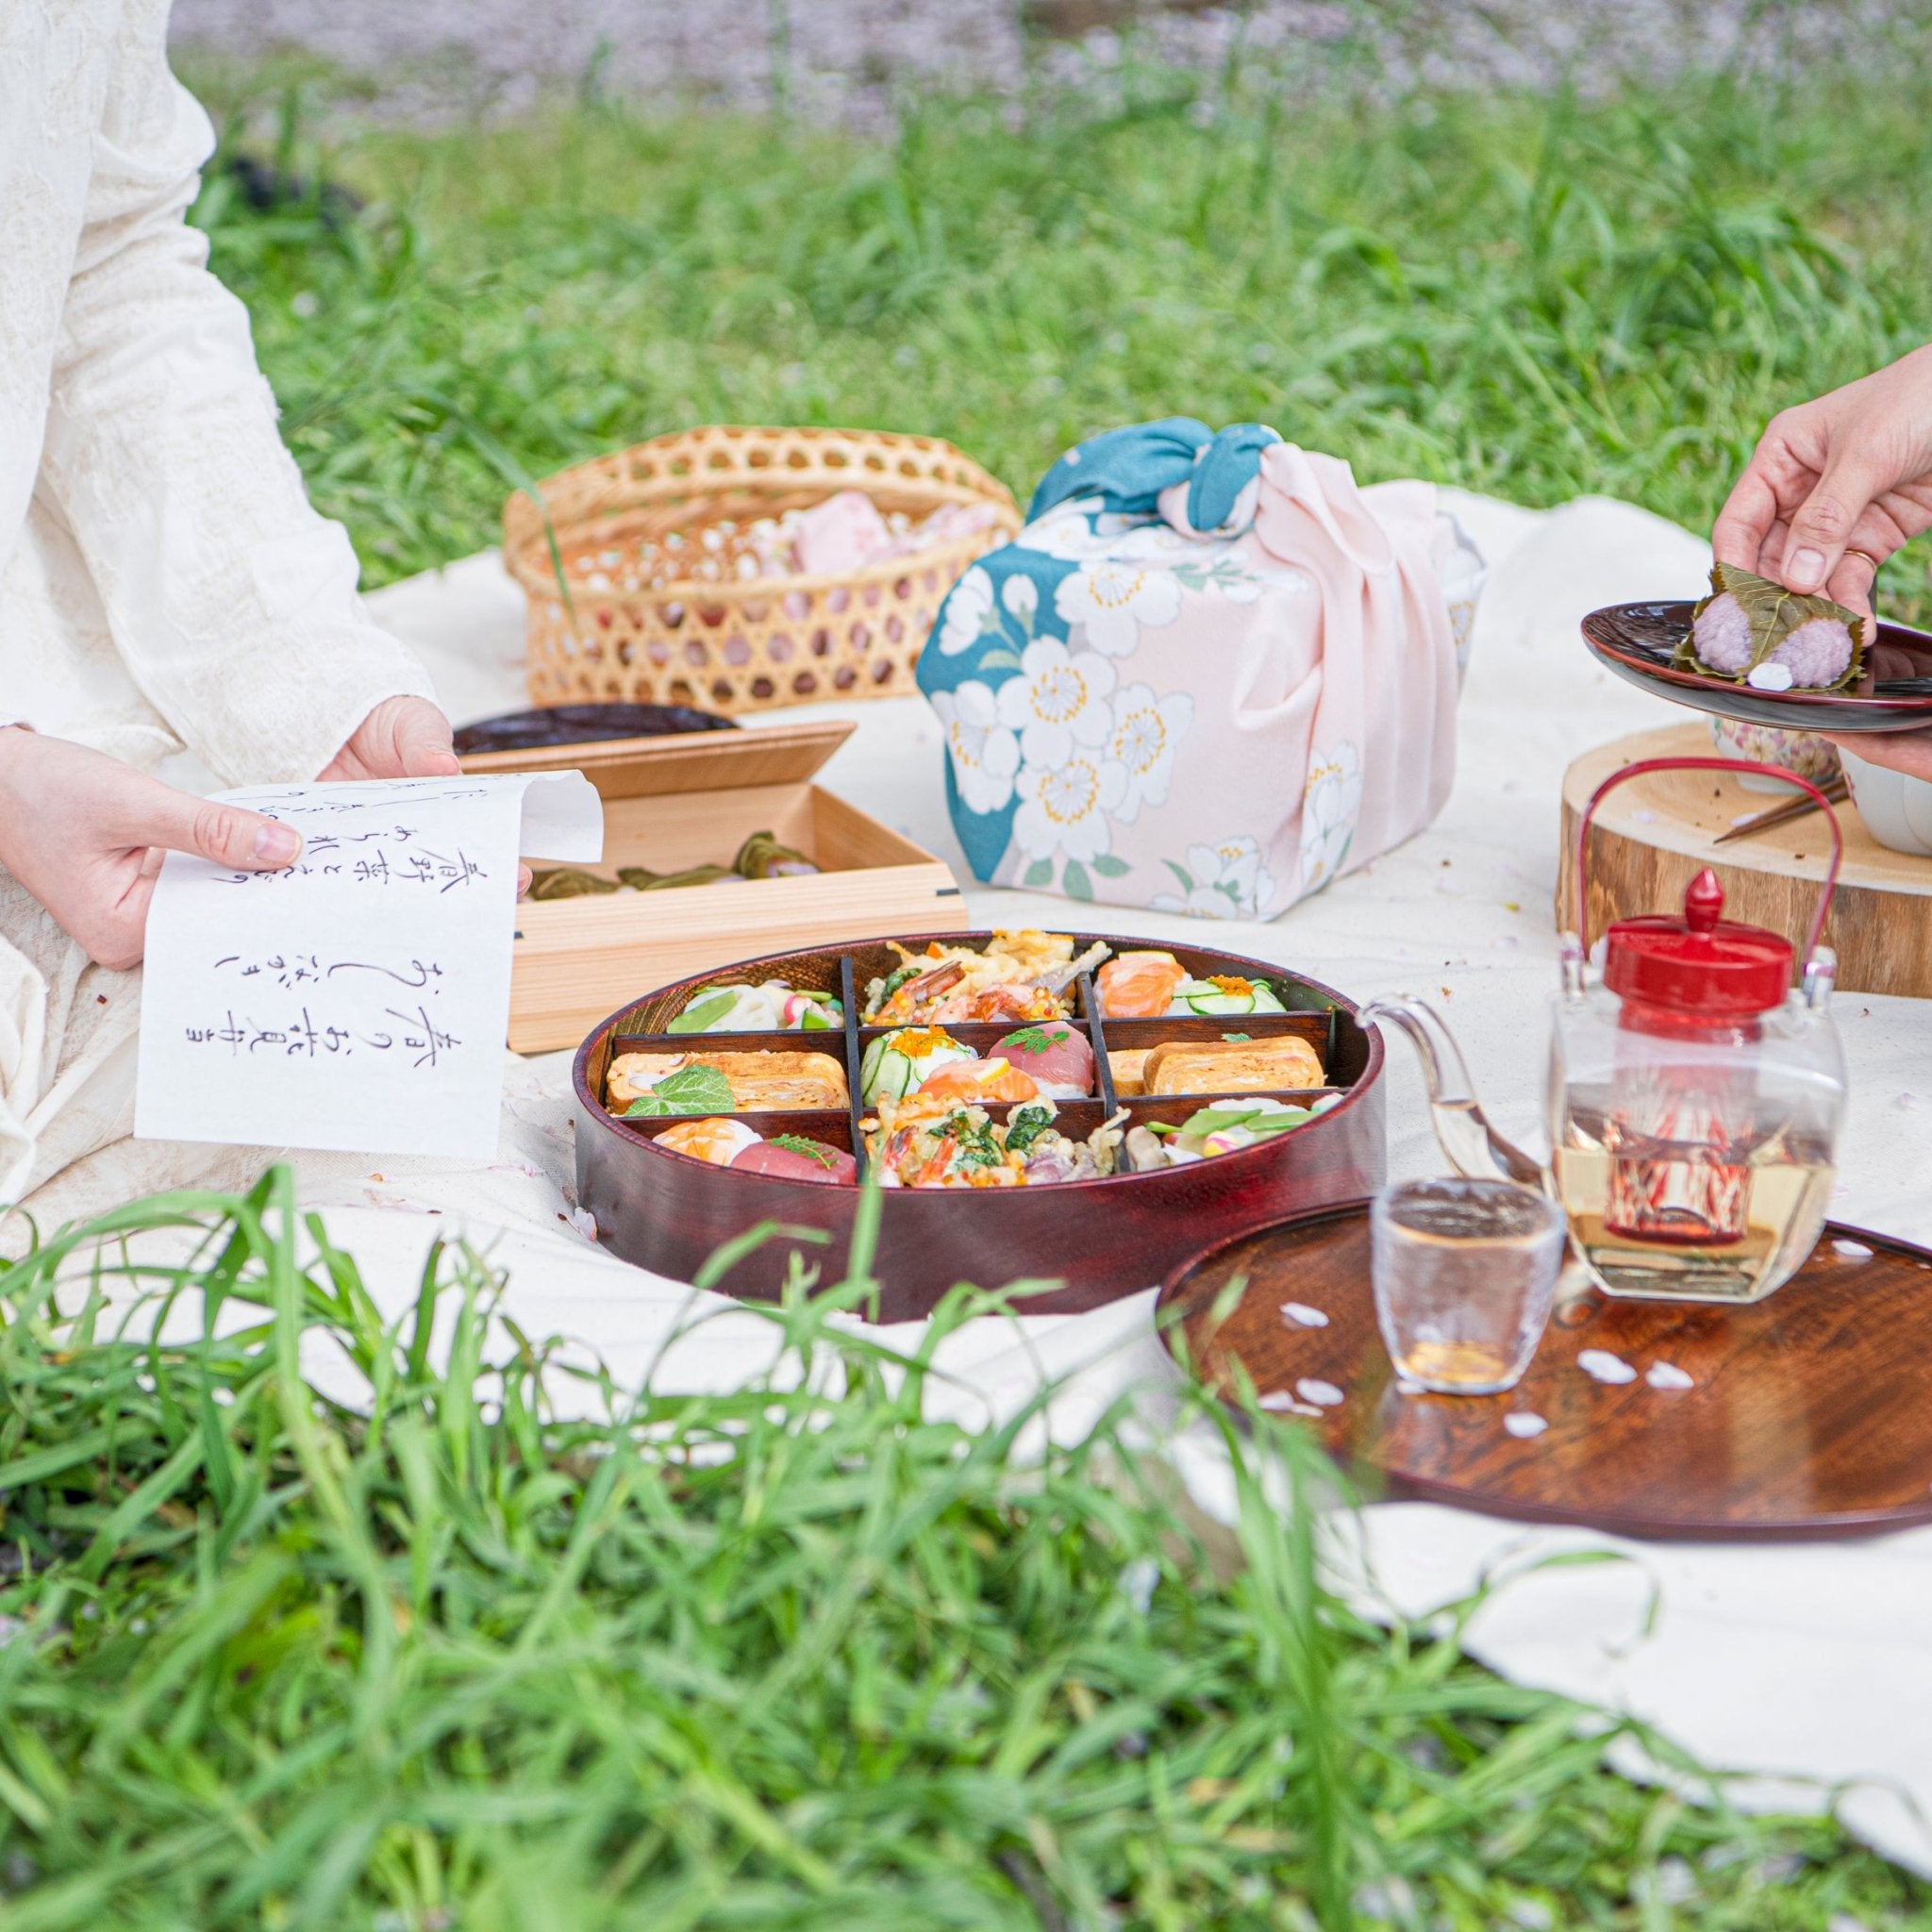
<point x="1651" y="837"/>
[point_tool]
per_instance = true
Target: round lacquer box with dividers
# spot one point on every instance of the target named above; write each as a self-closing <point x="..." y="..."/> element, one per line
<point x="1094" y="1240"/>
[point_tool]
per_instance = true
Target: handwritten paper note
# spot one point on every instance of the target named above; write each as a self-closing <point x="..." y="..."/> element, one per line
<point x="358" y="1000"/>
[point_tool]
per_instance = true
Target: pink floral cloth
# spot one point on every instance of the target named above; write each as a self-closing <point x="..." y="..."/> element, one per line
<point x="1214" y="722"/>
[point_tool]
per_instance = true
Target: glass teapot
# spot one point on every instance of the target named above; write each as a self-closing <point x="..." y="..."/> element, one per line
<point x="1695" y="1096"/>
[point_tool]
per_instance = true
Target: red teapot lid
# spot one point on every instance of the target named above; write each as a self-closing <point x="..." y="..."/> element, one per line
<point x="1700" y="964"/>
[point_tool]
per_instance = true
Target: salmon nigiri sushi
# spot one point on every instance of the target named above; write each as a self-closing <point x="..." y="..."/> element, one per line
<point x="979" y="1083"/>
<point x="1139" y="985"/>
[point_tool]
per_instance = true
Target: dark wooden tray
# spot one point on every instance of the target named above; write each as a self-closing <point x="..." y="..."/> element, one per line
<point x="1095" y="1241"/>
<point x="1810" y="1413"/>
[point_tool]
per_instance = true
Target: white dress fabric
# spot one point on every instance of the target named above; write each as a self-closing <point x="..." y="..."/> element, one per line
<point x="167" y="596"/>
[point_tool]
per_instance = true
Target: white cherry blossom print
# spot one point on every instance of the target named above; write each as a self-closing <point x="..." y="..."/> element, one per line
<point x="1147" y="732"/>
<point x="1070" y="530"/>
<point x="985" y="754"/>
<point x="1224" y="881"/>
<point x="1064" y="808"/>
<point x="1021" y="596"/>
<point x="1330" y="800"/>
<point x="1111" y="601"/>
<point x="969" y="613"/>
<point x="1059" y="702"/>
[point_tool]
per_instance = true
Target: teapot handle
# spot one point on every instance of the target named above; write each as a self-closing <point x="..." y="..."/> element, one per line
<point x="1713" y="765"/>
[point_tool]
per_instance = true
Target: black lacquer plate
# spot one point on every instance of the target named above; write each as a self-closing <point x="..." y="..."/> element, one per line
<point x="1639" y="642"/>
<point x="583" y="725"/>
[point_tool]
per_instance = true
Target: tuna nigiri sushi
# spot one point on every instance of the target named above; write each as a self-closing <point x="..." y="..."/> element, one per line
<point x="1058" y="1060"/>
<point x="795" y="1157"/>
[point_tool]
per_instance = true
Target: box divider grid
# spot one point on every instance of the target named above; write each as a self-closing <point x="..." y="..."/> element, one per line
<point x="848" y="998"/>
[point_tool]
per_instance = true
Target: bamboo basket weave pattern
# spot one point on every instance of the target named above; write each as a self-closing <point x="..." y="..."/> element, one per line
<point x="669" y="602"/>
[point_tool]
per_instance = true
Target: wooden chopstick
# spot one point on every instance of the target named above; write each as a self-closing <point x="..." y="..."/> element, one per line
<point x="1838" y="791"/>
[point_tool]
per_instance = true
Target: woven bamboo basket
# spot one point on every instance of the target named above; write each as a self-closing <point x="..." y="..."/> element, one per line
<point x="669" y="603"/>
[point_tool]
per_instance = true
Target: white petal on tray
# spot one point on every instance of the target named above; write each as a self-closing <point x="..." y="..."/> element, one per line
<point x="1770" y="677"/>
<point x="1852" y="1251"/>
<point x="1525" y="1424"/>
<point x="1302" y="1316"/>
<point x="1282" y="1403"/>
<point x="1605" y="1366"/>
<point x="1323" y="1394"/>
<point x="1668" y="1376"/>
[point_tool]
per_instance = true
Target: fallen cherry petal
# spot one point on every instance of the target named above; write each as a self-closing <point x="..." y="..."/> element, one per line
<point x="1668" y="1376"/>
<point x="1325" y="1394"/>
<point x="1303" y="1316"/>
<point x="1852" y="1251"/>
<point x="1525" y="1424"/>
<point x="1605" y="1366"/>
<point x="1281" y="1403"/>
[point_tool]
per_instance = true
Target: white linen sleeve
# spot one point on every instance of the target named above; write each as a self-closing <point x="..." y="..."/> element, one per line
<point x="232" y="602"/>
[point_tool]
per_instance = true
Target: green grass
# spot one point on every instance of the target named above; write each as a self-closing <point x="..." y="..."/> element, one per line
<point x="794" y="1657"/>
<point x="1527" y="297"/>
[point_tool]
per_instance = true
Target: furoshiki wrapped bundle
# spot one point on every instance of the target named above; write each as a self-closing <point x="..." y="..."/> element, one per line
<point x="1209" y="676"/>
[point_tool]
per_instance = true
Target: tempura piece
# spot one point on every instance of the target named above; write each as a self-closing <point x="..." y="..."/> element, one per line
<point x="1020" y="976"/>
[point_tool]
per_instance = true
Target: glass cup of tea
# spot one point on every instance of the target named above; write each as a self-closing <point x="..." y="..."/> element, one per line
<point x="1464" y="1274"/>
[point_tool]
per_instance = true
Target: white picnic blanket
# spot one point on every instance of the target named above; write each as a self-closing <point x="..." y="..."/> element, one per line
<point x="1808" y="1662"/>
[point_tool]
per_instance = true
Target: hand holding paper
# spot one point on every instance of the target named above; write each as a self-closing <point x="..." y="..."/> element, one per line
<point x="358" y="1000"/>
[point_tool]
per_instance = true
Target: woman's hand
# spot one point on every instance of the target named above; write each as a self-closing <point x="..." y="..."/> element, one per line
<point x="1835" y="486"/>
<point x="1832" y="488"/>
<point x="403" y="738"/>
<point x="86" y="834"/>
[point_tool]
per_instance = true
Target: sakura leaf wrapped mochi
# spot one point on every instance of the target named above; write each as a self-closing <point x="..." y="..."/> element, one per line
<point x="1761" y="634"/>
<point x="1210" y="675"/>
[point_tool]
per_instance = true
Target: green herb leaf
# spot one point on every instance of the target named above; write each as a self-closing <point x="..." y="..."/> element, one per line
<point x="690" y="1089"/>
<point x="812" y="1150"/>
<point x="1033" y="1038"/>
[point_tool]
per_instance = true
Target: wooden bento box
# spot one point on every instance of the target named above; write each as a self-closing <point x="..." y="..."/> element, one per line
<point x="691" y="799"/>
<point x="1097" y="1239"/>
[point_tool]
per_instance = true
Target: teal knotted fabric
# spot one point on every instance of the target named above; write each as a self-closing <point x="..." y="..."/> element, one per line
<point x="1127" y="469"/>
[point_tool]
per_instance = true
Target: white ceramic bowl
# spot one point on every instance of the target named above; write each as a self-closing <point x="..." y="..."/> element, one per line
<point x="1897" y="809"/>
